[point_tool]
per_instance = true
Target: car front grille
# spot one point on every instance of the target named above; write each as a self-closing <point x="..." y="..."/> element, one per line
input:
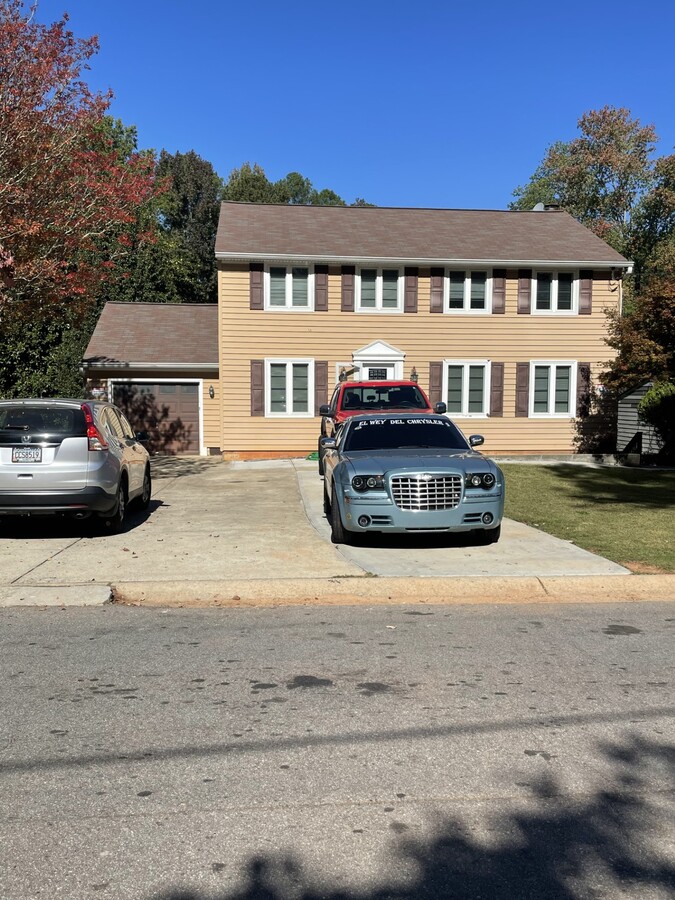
<point x="426" y="492"/>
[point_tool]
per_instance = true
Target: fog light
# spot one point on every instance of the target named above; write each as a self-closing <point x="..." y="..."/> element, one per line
<point x="488" y="518"/>
<point x="364" y="521"/>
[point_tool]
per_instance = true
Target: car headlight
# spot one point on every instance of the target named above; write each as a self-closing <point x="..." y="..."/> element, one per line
<point x="484" y="480"/>
<point x="362" y="483"/>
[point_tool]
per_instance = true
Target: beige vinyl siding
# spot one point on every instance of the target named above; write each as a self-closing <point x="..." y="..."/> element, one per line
<point x="247" y="334"/>
<point x="212" y="416"/>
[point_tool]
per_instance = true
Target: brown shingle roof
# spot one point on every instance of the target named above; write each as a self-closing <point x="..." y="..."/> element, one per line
<point x="249" y="230"/>
<point x="155" y="334"/>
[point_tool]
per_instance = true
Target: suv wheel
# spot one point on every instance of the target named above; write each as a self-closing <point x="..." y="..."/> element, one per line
<point x="143" y="501"/>
<point x="115" y="522"/>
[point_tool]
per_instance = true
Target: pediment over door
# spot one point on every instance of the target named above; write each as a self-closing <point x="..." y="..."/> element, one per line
<point x="378" y="361"/>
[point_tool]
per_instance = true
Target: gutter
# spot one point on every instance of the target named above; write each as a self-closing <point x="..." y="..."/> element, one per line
<point x="159" y="367"/>
<point x="430" y="261"/>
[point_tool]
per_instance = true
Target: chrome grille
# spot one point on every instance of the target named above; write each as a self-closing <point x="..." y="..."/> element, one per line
<point x="426" y="492"/>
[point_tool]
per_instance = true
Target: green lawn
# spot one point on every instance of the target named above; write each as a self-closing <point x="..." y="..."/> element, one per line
<point x="627" y="515"/>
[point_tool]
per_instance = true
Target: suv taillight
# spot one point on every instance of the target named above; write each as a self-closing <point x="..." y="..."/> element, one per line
<point x="94" y="436"/>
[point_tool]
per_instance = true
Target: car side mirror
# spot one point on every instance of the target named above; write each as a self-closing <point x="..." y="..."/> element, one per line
<point x="476" y="440"/>
<point x="327" y="443"/>
<point x="142" y="437"/>
<point x="324" y="409"/>
<point x="440" y="408"/>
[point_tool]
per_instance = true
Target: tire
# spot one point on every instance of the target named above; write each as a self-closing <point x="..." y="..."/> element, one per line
<point x="114" y="523"/>
<point x="320" y="458"/>
<point x="143" y="502"/>
<point x="489" y="536"/>
<point x="326" y="502"/>
<point x="338" y="533"/>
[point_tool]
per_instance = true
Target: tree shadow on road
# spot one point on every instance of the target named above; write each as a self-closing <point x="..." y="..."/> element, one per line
<point x="562" y="847"/>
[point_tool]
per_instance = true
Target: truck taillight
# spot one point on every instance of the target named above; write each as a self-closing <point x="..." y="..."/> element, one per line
<point x="94" y="437"/>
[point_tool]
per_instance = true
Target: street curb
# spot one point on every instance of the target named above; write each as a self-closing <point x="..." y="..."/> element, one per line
<point x="56" y="595"/>
<point x="347" y="591"/>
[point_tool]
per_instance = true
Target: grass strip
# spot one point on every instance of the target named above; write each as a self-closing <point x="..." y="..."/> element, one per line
<point x="626" y="515"/>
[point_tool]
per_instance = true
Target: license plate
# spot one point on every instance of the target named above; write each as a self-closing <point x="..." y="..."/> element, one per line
<point x="26" y="454"/>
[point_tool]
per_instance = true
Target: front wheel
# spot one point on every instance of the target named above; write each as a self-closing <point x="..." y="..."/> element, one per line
<point x="338" y="533"/>
<point x="320" y="452"/>
<point x="488" y="536"/>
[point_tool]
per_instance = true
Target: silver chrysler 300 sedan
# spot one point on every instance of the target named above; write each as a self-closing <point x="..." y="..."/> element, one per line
<point x="410" y="473"/>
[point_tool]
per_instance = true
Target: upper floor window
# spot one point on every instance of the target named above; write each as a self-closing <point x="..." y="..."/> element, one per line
<point x="379" y="290"/>
<point x="555" y="292"/>
<point x="466" y="386"/>
<point x="289" y="287"/>
<point x="468" y="291"/>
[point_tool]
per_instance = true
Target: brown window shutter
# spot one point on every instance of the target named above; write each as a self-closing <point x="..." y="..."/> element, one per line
<point x="499" y="291"/>
<point x="583" y="388"/>
<point x="585" y="292"/>
<point x="497" y="390"/>
<point x="257" y="290"/>
<point x="257" y="387"/>
<point x="435" y="382"/>
<point x="321" y="288"/>
<point x="410" y="295"/>
<point x="522" y="389"/>
<point x="348" y="284"/>
<point x="524" y="291"/>
<point x="320" y="384"/>
<point x="436" y="304"/>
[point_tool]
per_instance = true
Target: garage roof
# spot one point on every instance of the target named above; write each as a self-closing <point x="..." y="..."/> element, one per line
<point x="155" y="335"/>
<point x="348" y="233"/>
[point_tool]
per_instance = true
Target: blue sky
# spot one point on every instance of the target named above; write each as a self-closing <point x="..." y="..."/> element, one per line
<point x="427" y="103"/>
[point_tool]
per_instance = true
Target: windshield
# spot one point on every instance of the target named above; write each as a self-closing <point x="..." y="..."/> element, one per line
<point x="400" y="433"/>
<point x="387" y="396"/>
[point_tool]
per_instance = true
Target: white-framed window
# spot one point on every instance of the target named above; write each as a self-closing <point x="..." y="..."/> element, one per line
<point x="289" y="287"/>
<point x="466" y="387"/>
<point x="467" y="291"/>
<point x="289" y="387"/>
<point x="553" y="388"/>
<point x="555" y="292"/>
<point x="379" y="290"/>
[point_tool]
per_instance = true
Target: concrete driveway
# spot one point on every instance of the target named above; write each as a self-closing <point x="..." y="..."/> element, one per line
<point x="262" y="522"/>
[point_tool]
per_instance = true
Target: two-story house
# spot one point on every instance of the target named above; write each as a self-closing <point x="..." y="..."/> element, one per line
<point x="501" y="314"/>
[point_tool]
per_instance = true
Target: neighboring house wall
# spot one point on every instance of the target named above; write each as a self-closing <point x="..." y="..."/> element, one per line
<point x="630" y="425"/>
<point x="425" y="337"/>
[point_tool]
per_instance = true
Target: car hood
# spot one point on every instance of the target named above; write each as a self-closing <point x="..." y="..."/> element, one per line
<point x="427" y="458"/>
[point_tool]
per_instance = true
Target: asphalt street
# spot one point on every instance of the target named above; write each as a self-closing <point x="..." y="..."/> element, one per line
<point x="348" y="753"/>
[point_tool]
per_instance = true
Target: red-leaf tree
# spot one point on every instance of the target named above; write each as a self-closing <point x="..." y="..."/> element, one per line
<point x="67" y="195"/>
<point x="64" y="189"/>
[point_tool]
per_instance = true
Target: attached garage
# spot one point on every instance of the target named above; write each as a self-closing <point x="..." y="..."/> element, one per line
<point x="167" y="410"/>
<point x="159" y="363"/>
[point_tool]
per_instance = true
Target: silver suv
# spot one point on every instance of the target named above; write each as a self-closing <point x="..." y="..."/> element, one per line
<point x="71" y="457"/>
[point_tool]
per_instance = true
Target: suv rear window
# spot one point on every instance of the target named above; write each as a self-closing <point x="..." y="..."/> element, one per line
<point x="43" y="420"/>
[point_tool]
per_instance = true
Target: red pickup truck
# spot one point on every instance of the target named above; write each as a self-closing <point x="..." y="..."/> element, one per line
<point x="353" y="398"/>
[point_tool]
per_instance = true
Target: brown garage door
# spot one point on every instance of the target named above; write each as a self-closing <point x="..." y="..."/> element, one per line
<point x="167" y="410"/>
